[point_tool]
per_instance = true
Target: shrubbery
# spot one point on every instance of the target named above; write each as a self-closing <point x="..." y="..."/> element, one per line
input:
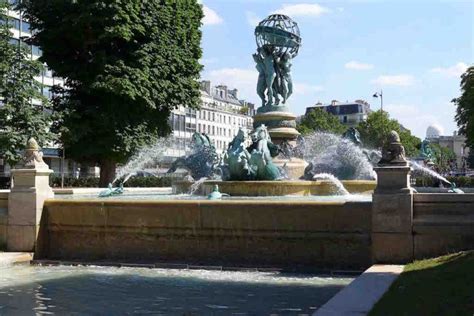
<point x="91" y="182"/>
<point x="465" y="182"/>
<point x="4" y="183"/>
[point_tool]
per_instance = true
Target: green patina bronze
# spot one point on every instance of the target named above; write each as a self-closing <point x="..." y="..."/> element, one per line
<point x="111" y="191"/>
<point x="278" y="41"/>
<point x="254" y="162"/>
<point x="426" y="152"/>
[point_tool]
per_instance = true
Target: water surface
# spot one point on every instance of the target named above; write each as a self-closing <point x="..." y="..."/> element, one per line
<point x="81" y="290"/>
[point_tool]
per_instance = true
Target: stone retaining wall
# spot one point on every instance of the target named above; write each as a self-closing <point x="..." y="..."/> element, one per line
<point x="232" y="233"/>
<point x="442" y="223"/>
<point x="3" y="218"/>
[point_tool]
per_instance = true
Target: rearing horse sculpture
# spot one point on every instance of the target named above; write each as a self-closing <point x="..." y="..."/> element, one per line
<point x="202" y="160"/>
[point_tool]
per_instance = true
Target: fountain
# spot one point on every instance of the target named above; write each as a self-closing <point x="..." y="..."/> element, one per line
<point x="278" y="152"/>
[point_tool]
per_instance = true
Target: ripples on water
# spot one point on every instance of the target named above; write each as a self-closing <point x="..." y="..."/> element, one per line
<point x="59" y="290"/>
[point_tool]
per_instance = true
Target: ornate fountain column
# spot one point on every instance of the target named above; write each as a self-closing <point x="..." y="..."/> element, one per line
<point x="392" y="207"/>
<point x="278" y="41"/>
<point x="30" y="188"/>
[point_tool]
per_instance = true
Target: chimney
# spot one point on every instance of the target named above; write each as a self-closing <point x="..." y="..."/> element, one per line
<point x="234" y="92"/>
<point x="206" y="86"/>
<point x="334" y="102"/>
<point x="225" y="91"/>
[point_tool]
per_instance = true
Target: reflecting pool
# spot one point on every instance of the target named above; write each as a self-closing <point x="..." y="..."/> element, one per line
<point x="92" y="290"/>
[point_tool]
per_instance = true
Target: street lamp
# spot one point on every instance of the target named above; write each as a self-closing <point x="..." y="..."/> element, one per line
<point x="379" y="94"/>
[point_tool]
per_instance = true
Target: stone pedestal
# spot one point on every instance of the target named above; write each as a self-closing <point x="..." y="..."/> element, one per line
<point x="392" y="216"/>
<point x="30" y="188"/>
<point x="281" y="125"/>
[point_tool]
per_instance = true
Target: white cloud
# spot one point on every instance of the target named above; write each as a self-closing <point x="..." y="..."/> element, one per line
<point x="210" y="16"/>
<point x="453" y="71"/>
<point x="243" y="79"/>
<point x="304" y="88"/>
<point x="302" y="9"/>
<point x="252" y="18"/>
<point x="413" y="118"/>
<point x="355" y="65"/>
<point x="396" y="80"/>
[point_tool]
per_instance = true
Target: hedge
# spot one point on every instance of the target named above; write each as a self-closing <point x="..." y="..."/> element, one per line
<point x="464" y="182"/>
<point x="4" y="183"/>
<point x="91" y="182"/>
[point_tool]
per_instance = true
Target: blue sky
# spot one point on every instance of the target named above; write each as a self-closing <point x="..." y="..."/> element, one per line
<point x="414" y="50"/>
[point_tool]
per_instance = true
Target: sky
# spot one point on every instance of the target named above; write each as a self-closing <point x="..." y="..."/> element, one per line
<point x="414" y="51"/>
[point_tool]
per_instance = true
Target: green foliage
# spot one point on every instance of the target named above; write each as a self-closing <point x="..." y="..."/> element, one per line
<point x="443" y="157"/>
<point x="461" y="182"/>
<point x="244" y="110"/>
<point x="470" y="158"/>
<point x="320" y="120"/>
<point x="92" y="182"/>
<point x="149" y="182"/>
<point x="72" y="182"/>
<point x="376" y="129"/>
<point x="20" y="118"/>
<point x="127" y="64"/>
<point x="465" y="106"/>
<point x="5" y="183"/>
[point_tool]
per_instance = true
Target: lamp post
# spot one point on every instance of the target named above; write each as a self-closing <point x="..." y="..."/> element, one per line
<point x="379" y="94"/>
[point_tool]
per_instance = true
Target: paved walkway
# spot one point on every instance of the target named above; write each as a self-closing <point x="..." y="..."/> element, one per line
<point x="360" y="296"/>
<point x="15" y="257"/>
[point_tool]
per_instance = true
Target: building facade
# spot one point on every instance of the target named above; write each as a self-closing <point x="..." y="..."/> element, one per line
<point x="457" y="143"/>
<point x="20" y="32"/>
<point x="220" y="116"/>
<point x="350" y="114"/>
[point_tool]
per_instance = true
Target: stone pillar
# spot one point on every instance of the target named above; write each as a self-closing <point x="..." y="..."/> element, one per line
<point x="392" y="216"/>
<point x="281" y="125"/>
<point x="30" y="188"/>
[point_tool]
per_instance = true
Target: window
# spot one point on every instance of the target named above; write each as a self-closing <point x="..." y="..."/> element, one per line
<point x="344" y="120"/>
<point x="25" y="27"/>
<point x="47" y="91"/>
<point x="35" y="50"/>
<point x="14" y="41"/>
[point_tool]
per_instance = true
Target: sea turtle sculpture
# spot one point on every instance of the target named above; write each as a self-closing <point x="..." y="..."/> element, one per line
<point x="203" y="158"/>
<point x="111" y="191"/>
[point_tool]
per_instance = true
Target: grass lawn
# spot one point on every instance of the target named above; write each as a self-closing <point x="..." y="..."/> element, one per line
<point x="439" y="286"/>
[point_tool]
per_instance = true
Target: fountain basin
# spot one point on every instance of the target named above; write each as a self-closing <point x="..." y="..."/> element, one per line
<point x="257" y="233"/>
<point x="279" y="188"/>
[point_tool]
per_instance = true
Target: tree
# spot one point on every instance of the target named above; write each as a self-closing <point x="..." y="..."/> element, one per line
<point x="376" y="129"/>
<point x="127" y="64"/>
<point x="444" y="157"/>
<point x="320" y="120"/>
<point x="470" y="158"/>
<point x="23" y="109"/>
<point x="465" y="106"/>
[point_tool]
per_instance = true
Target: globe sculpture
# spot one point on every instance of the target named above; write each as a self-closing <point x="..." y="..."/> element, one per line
<point x="281" y="32"/>
<point x="278" y="42"/>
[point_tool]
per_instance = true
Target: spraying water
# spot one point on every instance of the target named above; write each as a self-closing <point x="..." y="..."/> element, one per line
<point x="341" y="190"/>
<point x="195" y="186"/>
<point x="147" y="157"/>
<point x="428" y="171"/>
<point x="333" y="154"/>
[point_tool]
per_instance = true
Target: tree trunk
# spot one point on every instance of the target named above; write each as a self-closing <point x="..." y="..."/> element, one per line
<point x="107" y="172"/>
